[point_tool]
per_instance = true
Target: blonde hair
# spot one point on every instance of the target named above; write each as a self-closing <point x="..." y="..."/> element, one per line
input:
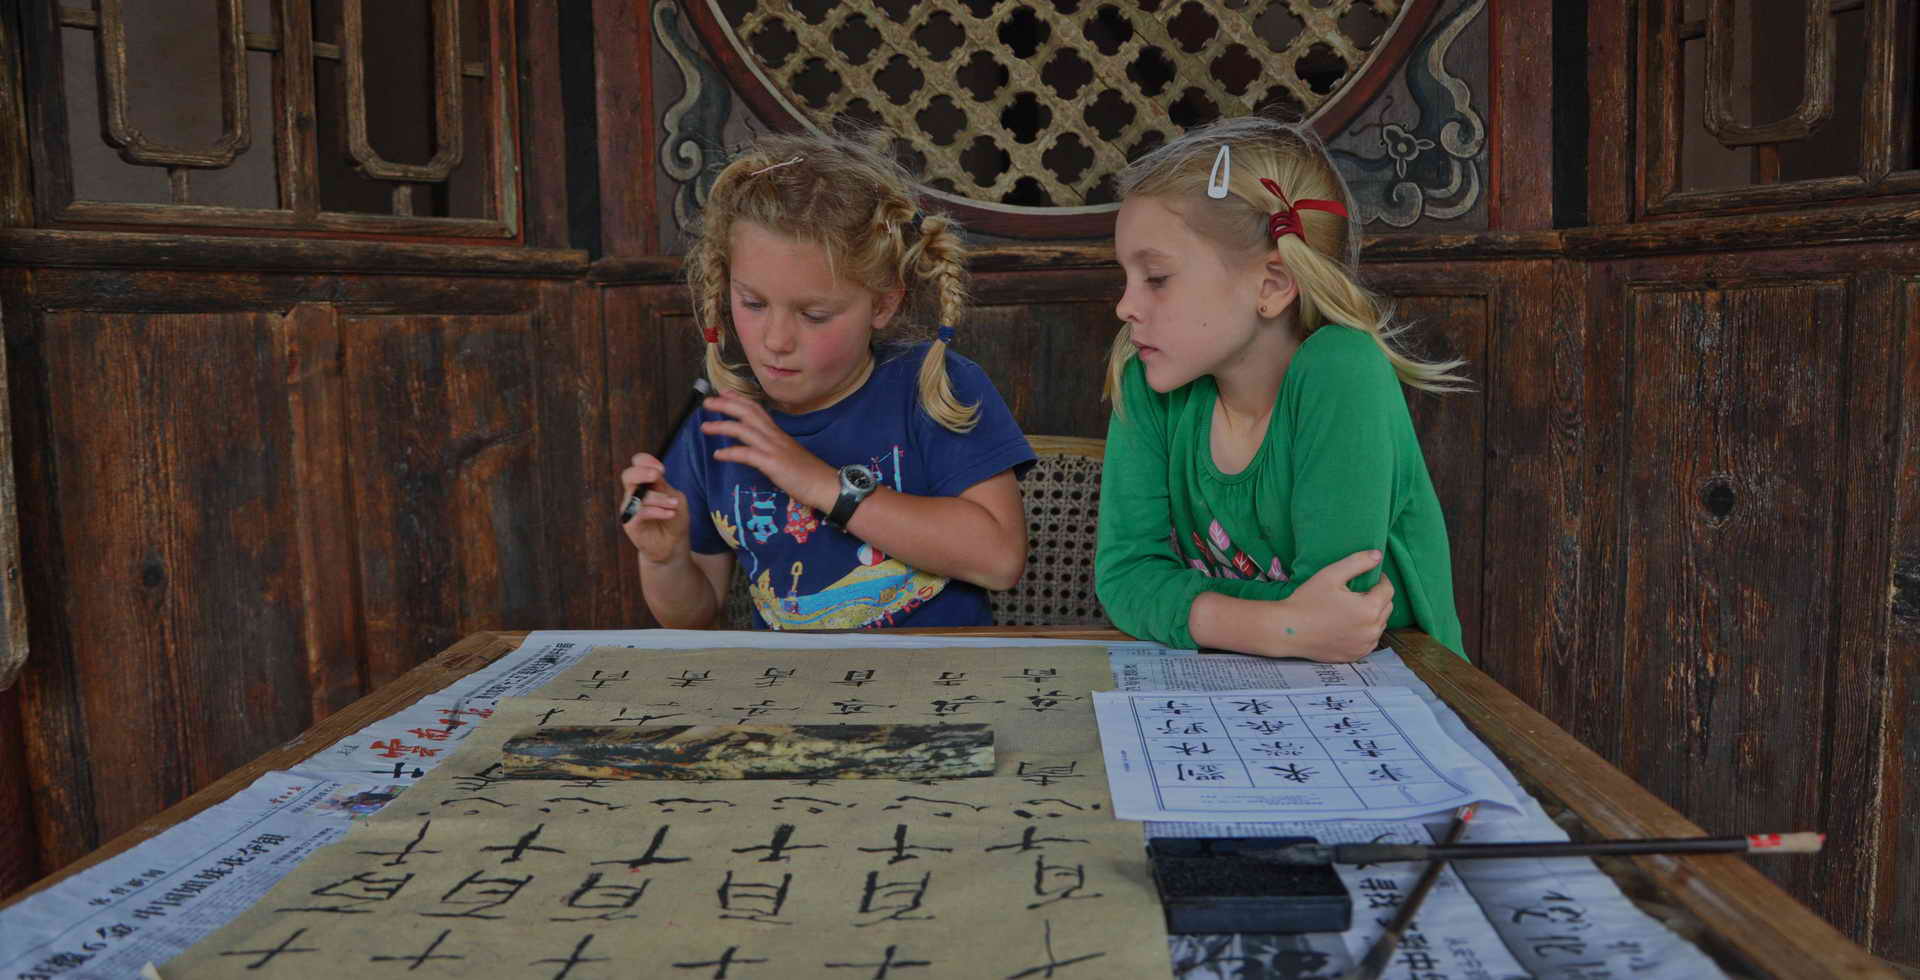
<point x="858" y="205"/>
<point x="1323" y="259"/>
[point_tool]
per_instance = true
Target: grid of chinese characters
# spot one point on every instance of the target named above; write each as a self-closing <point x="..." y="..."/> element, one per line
<point x="1341" y="745"/>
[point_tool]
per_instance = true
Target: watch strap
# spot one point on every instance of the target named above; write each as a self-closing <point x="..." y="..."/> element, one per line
<point x="843" y="507"/>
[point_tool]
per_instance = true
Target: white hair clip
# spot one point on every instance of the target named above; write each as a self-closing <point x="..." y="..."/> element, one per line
<point x="1222" y="173"/>
<point x="783" y="163"/>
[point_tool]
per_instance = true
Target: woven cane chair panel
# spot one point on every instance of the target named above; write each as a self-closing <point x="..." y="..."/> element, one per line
<point x="1030" y="107"/>
<point x="1061" y="494"/>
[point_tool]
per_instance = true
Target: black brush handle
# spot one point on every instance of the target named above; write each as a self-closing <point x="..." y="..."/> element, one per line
<point x="702" y="390"/>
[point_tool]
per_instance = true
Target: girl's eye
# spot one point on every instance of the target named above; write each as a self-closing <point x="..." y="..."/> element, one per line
<point x="753" y="304"/>
<point x="813" y="317"/>
<point x="1156" y="282"/>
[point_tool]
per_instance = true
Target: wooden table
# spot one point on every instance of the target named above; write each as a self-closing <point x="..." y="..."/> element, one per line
<point x="1719" y="901"/>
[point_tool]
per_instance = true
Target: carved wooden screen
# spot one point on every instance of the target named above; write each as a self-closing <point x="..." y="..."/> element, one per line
<point x="323" y="115"/>
<point x="1754" y="102"/>
<point x="1020" y="112"/>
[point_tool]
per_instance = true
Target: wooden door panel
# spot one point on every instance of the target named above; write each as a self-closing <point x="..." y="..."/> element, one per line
<point x="1452" y="430"/>
<point x="653" y="355"/>
<point x="1734" y="458"/>
<point x="1896" y="910"/>
<point x="170" y="438"/>
<point x="441" y="414"/>
<point x="1043" y="337"/>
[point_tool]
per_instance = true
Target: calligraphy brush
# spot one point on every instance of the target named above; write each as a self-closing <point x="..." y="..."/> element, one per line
<point x="702" y="390"/>
<point x="1795" y="843"/>
<point x="1373" y="964"/>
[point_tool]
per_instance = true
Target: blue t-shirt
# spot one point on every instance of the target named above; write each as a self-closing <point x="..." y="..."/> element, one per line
<point x="803" y="573"/>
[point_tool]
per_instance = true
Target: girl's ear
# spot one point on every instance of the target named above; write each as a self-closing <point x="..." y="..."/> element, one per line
<point x="1278" y="290"/>
<point x="885" y="305"/>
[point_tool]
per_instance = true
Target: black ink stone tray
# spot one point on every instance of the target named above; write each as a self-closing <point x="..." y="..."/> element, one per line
<point x="1209" y="885"/>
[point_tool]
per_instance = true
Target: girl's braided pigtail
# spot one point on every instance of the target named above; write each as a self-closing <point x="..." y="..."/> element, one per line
<point x="938" y="259"/>
<point x="707" y="279"/>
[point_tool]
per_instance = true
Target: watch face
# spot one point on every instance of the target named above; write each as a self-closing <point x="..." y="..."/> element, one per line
<point x="860" y="477"/>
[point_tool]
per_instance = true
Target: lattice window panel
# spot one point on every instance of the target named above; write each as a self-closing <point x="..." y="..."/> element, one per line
<point x="334" y="115"/>
<point x="1034" y="105"/>
<point x="1761" y="101"/>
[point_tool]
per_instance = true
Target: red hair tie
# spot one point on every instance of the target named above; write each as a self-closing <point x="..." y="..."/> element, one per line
<point x="712" y="334"/>
<point x="1286" y="221"/>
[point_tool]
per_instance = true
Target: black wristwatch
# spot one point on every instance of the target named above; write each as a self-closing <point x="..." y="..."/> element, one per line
<point x="856" y="483"/>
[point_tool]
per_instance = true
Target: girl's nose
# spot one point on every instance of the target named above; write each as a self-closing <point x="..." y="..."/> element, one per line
<point x="781" y="334"/>
<point x="1125" y="308"/>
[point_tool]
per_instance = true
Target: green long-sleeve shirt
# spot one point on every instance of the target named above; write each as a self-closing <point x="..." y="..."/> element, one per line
<point x="1340" y="471"/>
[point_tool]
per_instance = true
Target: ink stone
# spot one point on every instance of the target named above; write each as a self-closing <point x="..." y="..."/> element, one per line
<point x="1210" y="885"/>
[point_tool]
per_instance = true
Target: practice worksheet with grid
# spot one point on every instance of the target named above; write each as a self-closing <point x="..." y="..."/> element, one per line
<point x="1301" y="753"/>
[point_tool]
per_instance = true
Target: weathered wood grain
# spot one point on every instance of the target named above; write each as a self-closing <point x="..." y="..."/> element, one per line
<point x="543" y="154"/>
<point x="1450" y="315"/>
<point x="168" y="452"/>
<point x="82" y="249"/>
<point x="309" y="341"/>
<point x="457" y="661"/>
<point x="1611" y="107"/>
<point x="1763" y="664"/>
<point x="1896" y="918"/>
<point x="16" y="195"/>
<point x="19" y="850"/>
<point x="1734" y="452"/>
<point x="627" y="120"/>
<point x="1520" y="149"/>
<point x="442" y="414"/>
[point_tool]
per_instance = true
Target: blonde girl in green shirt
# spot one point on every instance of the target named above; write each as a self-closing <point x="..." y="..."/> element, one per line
<point x="1263" y="489"/>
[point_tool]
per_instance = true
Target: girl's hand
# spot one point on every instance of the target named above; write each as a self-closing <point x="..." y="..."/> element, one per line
<point x="762" y="445"/>
<point x="1327" y="621"/>
<point x="660" y="527"/>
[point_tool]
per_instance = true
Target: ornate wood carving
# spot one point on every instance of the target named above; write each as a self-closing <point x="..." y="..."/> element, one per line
<point x="999" y="106"/>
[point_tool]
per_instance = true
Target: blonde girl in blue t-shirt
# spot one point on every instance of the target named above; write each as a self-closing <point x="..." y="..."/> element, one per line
<point x="1260" y="456"/>
<point x="858" y="484"/>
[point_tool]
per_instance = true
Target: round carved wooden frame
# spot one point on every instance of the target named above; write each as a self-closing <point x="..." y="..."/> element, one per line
<point x="1014" y="221"/>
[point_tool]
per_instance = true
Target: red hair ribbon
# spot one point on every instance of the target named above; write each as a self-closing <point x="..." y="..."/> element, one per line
<point x="1286" y="221"/>
<point x="712" y="334"/>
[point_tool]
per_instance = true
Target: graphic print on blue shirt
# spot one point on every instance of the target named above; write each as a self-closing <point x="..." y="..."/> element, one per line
<point x="801" y="572"/>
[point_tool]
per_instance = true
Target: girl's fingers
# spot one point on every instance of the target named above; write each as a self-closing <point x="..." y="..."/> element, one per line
<point x="1349" y="567"/>
<point x="738" y="407"/>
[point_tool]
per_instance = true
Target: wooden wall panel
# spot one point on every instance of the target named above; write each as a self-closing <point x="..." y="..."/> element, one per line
<point x="440" y="411"/>
<point x="577" y="581"/>
<point x="1749" y="526"/>
<point x="169" y="438"/>
<point x="19" y="850"/>
<point x="1895" y="922"/>
<point x="467" y="507"/>
<point x="653" y="354"/>
<point x="1043" y="337"/>
<point x="1452" y="430"/>
<point x="1733" y="452"/>
<point x="283" y="489"/>
<point x="1531" y="568"/>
